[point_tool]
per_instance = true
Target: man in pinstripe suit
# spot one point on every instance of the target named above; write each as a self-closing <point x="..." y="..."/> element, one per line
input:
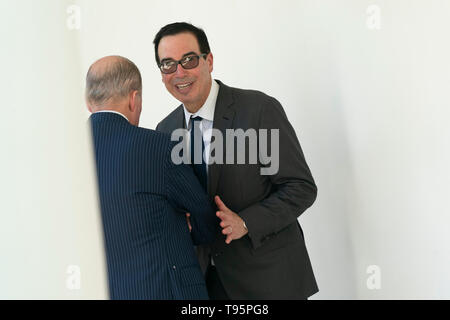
<point x="144" y="197"/>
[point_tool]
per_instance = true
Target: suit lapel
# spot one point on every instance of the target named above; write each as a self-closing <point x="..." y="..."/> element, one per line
<point x="179" y="121"/>
<point x="223" y="119"/>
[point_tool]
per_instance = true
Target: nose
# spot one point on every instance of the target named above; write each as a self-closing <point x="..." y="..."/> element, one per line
<point x="181" y="72"/>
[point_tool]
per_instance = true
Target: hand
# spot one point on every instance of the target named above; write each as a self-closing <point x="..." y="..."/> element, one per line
<point x="232" y="224"/>
<point x="188" y="221"/>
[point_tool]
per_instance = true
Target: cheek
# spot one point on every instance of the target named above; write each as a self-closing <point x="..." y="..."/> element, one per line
<point x="166" y="81"/>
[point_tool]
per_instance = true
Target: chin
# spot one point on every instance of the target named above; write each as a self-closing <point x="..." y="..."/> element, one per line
<point x="183" y="99"/>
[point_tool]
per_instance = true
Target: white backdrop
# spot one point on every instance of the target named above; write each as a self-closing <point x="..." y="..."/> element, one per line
<point x="364" y="83"/>
<point x="50" y="237"/>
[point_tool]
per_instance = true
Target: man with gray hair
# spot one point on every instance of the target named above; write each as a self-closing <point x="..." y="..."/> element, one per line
<point x="144" y="197"/>
<point x="110" y="82"/>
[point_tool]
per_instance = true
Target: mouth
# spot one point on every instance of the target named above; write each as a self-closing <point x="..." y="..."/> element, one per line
<point x="184" y="87"/>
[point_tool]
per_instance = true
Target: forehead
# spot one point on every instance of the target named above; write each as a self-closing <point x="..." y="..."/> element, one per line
<point x="177" y="45"/>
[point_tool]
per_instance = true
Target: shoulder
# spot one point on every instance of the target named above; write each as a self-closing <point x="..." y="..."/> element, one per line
<point x="144" y="142"/>
<point x="252" y="100"/>
<point x="151" y="136"/>
<point x="168" y="122"/>
<point x="240" y="93"/>
<point x="250" y="94"/>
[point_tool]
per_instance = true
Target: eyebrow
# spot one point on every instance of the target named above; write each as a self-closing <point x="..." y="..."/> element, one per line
<point x="184" y="55"/>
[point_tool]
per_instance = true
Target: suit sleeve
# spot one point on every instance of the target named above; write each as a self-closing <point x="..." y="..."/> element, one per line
<point x="185" y="192"/>
<point x="293" y="187"/>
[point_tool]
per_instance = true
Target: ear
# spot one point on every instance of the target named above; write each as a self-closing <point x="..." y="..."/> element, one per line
<point x="89" y="107"/>
<point x="133" y="99"/>
<point x="210" y="60"/>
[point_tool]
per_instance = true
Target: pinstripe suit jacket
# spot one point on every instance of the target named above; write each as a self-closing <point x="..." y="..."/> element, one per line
<point x="144" y="198"/>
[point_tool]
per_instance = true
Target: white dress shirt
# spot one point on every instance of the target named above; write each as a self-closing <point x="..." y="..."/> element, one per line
<point x="207" y="114"/>
<point x="206" y="125"/>
<point x="112" y="111"/>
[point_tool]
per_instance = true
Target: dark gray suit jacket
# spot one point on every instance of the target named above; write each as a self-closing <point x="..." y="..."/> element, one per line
<point x="271" y="261"/>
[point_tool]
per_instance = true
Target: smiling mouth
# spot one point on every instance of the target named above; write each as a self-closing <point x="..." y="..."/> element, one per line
<point x="183" y="85"/>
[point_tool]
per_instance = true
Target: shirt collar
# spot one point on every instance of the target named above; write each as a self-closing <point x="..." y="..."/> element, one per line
<point x="112" y="111"/>
<point x="207" y="110"/>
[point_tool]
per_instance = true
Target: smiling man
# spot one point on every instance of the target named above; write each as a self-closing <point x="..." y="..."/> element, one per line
<point x="190" y="84"/>
<point x="260" y="252"/>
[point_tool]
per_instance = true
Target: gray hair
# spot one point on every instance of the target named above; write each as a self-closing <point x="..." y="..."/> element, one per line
<point x="111" y="78"/>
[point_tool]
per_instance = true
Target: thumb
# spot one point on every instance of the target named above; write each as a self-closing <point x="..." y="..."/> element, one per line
<point x="220" y="204"/>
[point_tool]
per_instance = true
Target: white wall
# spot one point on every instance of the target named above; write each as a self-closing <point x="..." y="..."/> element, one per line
<point x="48" y="208"/>
<point x="370" y="108"/>
<point x="393" y="86"/>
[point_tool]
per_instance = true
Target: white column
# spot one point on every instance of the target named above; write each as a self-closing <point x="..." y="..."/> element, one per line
<point x="51" y="240"/>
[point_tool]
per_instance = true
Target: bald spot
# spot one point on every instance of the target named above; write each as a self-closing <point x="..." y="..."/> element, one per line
<point x="110" y="79"/>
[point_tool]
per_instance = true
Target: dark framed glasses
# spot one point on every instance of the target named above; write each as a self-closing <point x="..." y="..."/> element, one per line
<point x="188" y="62"/>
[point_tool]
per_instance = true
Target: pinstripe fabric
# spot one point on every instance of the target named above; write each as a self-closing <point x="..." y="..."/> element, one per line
<point x="144" y="198"/>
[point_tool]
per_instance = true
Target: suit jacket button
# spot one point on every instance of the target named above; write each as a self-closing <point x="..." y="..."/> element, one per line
<point x="174" y="267"/>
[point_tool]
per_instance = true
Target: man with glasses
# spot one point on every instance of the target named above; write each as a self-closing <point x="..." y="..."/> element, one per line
<point x="260" y="252"/>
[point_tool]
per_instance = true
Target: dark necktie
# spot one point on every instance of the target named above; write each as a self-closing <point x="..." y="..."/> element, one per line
<point x="198" y="163"/>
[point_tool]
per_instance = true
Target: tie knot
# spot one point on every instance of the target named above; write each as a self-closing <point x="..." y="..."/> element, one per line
<point x="196" y="118"/>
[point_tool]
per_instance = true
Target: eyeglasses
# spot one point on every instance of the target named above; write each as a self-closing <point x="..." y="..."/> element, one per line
<point x="189" y="62"/>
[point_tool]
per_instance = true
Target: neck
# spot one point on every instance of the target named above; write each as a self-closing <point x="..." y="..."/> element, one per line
<point x="120" y="110"/>
<point x="194" y="107"/>
<point x="116" y="108"/>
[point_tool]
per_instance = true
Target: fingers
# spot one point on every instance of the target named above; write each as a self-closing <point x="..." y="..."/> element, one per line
<point x="220" y="204"/>
<point x="188" y="221"/>
<point x="225" y="223"/>
<point x="228" y="218"/>
<point x="223" y="215"/>
<point x="228" y="230"/>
